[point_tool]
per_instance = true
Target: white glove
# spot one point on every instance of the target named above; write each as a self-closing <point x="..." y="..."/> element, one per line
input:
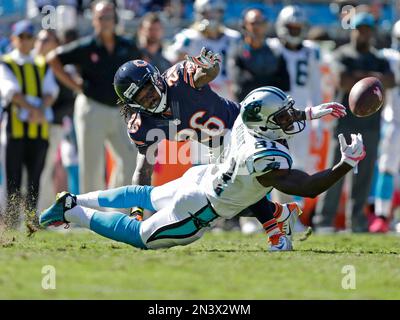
<point x="49" y="114"/>
<point x="333" y="108"/>
<point x="352" y="153"/>
<point x="207" y="59"/>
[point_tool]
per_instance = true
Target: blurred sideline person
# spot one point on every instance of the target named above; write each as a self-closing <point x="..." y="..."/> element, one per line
<point x="207" y="31"/>
<point x="253" y="63"/>
<point x="389" y="158"/>
<point x="303" y="63"/>
<point x="185" y="208"/>
<point x="96" y="115"/>
<point x="29" y="89"/>
<point x="352" y="62"/>
<point x="46" y="41"/>
<point x="150" y="40"/>
<point x="67" y="156"/>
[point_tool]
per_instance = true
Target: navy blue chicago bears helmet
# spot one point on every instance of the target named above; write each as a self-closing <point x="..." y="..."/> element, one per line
<point x="140" y="86"/>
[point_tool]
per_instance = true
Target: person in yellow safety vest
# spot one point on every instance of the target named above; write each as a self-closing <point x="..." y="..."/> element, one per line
<point x="28" y="88"/>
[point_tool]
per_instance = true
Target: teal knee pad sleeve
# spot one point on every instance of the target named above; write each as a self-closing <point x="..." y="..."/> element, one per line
<point x="117" y="226"/>
<point x="127" y="197"/>
<point x="384" y="186"/>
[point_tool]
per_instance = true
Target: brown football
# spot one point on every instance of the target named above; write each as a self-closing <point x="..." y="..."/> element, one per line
<point x="366" y="97"/>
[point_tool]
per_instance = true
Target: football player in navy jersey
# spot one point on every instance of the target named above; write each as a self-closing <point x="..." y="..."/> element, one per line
<point x="180" y="97"/>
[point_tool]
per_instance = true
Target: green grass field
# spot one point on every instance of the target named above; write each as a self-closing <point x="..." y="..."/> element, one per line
<point x="220" y="266"/>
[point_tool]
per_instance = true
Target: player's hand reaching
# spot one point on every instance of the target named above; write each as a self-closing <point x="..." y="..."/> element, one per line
<point x="206" y="60"/>
<point x="330" y="108"/>
<point x="352" y="153"/>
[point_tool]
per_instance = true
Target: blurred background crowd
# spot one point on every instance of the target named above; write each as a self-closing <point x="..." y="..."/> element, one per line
<point x="61" y="128"/>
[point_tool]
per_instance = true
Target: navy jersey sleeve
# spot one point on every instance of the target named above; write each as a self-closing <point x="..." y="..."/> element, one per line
<point x="142" y="131"/>
<point x="135" y="131"/>
<point x="181" y="74"/>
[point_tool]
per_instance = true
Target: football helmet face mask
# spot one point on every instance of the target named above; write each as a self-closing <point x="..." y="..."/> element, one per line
<point x="291" y="25"/>
<point x="140" y="86"/>
<point x="269" y="113"/>
<point x="209" y="14"/>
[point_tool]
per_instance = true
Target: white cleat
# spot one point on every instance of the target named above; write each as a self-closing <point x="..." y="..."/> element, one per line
<point x="287" y="226"/>
<point x="280" y="242"/>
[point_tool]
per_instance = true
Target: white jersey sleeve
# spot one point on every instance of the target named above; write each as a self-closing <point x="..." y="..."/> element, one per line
<point x="9" y="84"/>
<point x="268" y="156"/>
<point x="182" y="44"/>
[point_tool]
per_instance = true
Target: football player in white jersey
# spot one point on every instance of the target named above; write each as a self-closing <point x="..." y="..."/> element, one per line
<point x="303" y="64"/>
<point x="389" y="159"/>
<point x="207" y="31"/>
<point x="255" y="162"/>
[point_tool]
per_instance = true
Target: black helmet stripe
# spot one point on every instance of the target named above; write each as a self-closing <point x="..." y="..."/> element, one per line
<point x="275" y="90"/>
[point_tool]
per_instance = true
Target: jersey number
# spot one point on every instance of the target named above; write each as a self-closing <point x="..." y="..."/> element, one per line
<point x="172" y="77"/>
<point x="223" y="67"/>
<point x="301" y="72"/>
<point x="211" y="127"/>
<point x="262" y="144"/>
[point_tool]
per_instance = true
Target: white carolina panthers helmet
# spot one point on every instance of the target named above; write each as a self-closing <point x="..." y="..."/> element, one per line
<point x="268" y="112"/>
<point x="291" y="15"/>
<point x="396" y="36"/>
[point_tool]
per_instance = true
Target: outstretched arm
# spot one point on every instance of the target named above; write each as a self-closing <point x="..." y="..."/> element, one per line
<point x="208" y="66"/>
<point x="299" y="183"/>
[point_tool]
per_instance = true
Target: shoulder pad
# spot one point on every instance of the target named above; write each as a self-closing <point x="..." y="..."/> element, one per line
<point x="270" y="156"/>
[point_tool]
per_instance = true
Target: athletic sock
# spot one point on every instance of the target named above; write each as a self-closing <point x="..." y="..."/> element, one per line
<point x="264" y="212"/>
<point x="382" y="207"/>
<point x="113" y="225"/>
<point x="383" y="194"/>
<point x="90" y="200"/>
<point x="123" y="197"/>
<point x="281" y="212"/>
<point x="79" y="215"/>
<point x="271" y="228"/>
